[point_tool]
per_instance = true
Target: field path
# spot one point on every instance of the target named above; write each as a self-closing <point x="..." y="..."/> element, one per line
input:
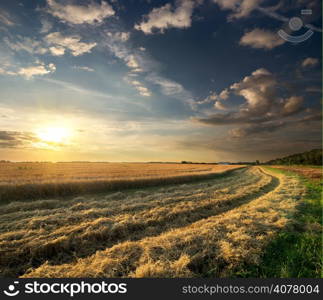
<point x="170" y="231"/>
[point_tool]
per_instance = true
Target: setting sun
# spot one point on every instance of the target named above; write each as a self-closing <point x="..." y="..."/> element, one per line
<point x="54" y="134"/>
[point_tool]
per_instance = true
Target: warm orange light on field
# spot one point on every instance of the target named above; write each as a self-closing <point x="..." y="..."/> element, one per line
<point x="54" y="134"/>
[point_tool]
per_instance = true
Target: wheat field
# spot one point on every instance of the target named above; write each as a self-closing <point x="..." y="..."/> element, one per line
<point x="190" y="229"/>
<point x="21" y="181"/>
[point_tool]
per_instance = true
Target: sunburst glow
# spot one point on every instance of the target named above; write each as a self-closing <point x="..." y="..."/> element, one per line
<point x="54" y="134"/>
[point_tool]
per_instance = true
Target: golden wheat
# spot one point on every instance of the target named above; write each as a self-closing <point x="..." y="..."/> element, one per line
<point x="23" y="181"/>
<point x="218" y="243"/>
<point x="176" y="230"/>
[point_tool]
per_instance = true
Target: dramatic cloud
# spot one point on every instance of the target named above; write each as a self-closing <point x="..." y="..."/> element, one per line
<point x="79" y="14"/>
<point x="16" y="139"/>
<point x="72" y="43"/>
<point x="259" y="91"/>
<point x="259" y="38"/>
<point x="239" y="8"/>
<point x="309" y="62"/>
<point x="292" y="105"/>
<point x="162" y="18"/>
<point x="263" y="109"/>
<point x="256" y="129"/>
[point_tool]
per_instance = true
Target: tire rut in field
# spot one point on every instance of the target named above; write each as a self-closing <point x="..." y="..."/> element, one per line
<point x="66" y="249"/>
<point x="20" y="254"/>
<point x="18" y="214"/>
<point x="219" y="243"/>
<point x="107" y="208"/>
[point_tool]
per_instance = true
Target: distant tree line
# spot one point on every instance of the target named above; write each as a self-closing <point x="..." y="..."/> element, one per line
<point x="313" y="157"/>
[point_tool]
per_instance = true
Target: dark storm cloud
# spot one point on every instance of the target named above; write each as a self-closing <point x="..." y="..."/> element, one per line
<point x="263" y="110"/>
<point x="256" y="129"/>
<point x="263" y="142"/>
<point x="16" y="139"/>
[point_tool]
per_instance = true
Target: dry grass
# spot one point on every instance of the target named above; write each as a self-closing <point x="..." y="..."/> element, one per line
<point x="22" y="181"/>
<point x="309" y="172"/>
<point x="171" y="231"/>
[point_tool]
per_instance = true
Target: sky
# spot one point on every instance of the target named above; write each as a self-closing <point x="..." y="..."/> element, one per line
<point x="140" y="80"/>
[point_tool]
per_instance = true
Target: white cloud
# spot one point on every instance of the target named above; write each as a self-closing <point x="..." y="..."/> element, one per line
<point x="132" y="62"/>
<point x="259" y="38"/>
<point x="55" y="43"/>
<point x="309" y="62"/>
<point x="120" y="48"/>
<point x="239" y="8"/>
<point x="119" y="36"/>
<point x="166" y="17"/>
<point x="71" y="43"/>
<point x="83" y="68"/>
<point x="143" y="91"/>
<point x="216" y="99"/>
<point x="80" y="14"/>
<point x="57" y="51"/>
<point x="212" y="97"/>
<point x="168" y="87"/>
<point x="30" y="72"/>
<point x="173" y="89"/>
<point x="135" y="82"/>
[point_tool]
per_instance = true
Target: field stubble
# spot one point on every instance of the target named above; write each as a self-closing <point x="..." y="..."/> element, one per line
<point x="173" y="231"/>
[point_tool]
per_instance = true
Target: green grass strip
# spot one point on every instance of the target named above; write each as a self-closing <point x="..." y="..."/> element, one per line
<point x="296" y="252"/>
